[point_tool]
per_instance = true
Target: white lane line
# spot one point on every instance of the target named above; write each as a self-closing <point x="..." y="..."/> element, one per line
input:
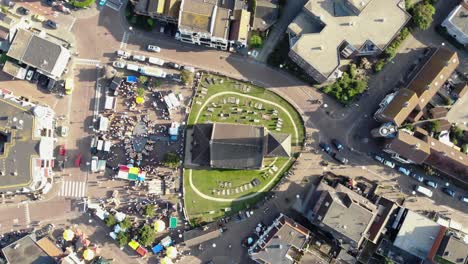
<point x="87" y="61"/>
<point x="72" y="24"/>
<point x="123" y="43"/>
<point x="83" y="191"/>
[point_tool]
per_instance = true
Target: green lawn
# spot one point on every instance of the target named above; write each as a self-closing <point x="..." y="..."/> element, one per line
<point x="241" y="104"/>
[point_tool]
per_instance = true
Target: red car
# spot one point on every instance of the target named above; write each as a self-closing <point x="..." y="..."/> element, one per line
<point x="62" y="150"/>
<point x="78" y="160"/>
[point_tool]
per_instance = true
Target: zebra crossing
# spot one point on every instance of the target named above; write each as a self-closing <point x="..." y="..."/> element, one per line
<point x="123" y="43"/>
<point x="73" y="189"/>
<point x="80" y="61"/>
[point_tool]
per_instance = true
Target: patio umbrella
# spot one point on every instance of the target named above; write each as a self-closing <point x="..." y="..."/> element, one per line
<point x="88" y="254"/>
<point x="171" y="252"/>
<point x="139" y="100"/>
<point x="68" y="235"/>
<point x="159" y="226"/>
<point x="166" y="260"/>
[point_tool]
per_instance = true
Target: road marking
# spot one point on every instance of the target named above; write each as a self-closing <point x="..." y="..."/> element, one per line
<point x="123" y="43"/>
<point x="26" y="213"/>
<point x="73" y="189"/>
<point x="72" y="24"/>
<point x="80" y="61"/>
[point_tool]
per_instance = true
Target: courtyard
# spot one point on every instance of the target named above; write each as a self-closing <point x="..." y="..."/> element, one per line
<point x="212" y="193"/>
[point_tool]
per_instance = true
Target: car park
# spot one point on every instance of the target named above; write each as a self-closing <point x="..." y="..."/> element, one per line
<point x="123" y="54"/>
<point x="119" y="64"/>
<point x="337" y="144"/>
<point x="404" y="170"/>
<point x="51" y="24"/>
<point x="432" y="184"/>
<point x="325" y="147"/>
<point x="389" y="164"/>
<point x="139" y="58"/>
<point x="449" y="192"/>
<point x="153" y="48"/>
<point x="29" y="75"/>
<point x="23" y="11"/>
<point x="38" y="18"/>
<point x="417" y="177"/>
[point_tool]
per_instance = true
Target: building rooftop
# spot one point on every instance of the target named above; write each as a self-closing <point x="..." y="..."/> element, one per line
<point x="281" y="243"/>
<point x="205" y="16"/>
<point x="26" y="251"/>
<point x="379" y="21"/>
<point x="410" y="147"/>
<point x="433" y="74"/>
<point x="266" y="14"/>
<point x="240" y="25"/>
<point x="460" y="18"/>
<point x="417" y="234"/>
<point x="236" y="146"/>
<point x="39" y="52"/>
<point x="453" y="249"/>
<point x="401" y="106"/>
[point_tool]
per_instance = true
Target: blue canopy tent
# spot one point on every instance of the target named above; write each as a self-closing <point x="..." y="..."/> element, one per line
<point x="158" y="248"/>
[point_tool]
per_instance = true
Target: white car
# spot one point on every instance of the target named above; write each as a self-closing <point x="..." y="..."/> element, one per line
<point x="119" y="64"/>
<point x="389" y="164"/>
<point x="154" y="48"/>
<point x="139" y="57"/>
<point x="29" y="75"/>
<point x="63" y="131"/>
<point x="123" y="54"/>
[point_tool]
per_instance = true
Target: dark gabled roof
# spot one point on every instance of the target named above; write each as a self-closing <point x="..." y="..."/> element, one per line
<point x="201" y="144"/>
<point x="278" y="145"/>
<point x="236" y="146"/>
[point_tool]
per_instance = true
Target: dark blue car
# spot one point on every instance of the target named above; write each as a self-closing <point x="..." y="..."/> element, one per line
<point x="325" y="147"/>
<point x="337" y="144"/>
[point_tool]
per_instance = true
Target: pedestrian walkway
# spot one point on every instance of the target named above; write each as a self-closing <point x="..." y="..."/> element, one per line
<point x="73" y="189"/>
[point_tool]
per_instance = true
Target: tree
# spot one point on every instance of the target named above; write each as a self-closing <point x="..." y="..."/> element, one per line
<point x="140" y="91"/>
<point x="422" y="15"/>
<point x="123" y="238"/>
<point x="255" y="41"/>
<point x="187" y="77"/>
<point x="171" y="160"/>
<point x="464" y="148"/>
<point x="110" y="220"/>
<point x="142" y="79"/>
<point x="149" y="210"/>
<point x="457" y="132"/>
<point x="147" y="235"/>
<point x="82" y="4"/>
<point x="126" y="223"/>
<point x="434" y="126"/>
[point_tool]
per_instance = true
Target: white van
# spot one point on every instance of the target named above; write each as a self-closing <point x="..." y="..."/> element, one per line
<point x="423" y="190"/>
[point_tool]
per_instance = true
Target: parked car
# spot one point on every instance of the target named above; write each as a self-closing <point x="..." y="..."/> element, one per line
<point x="432" y="184"/>
<point x="63" y="131"/>
<point x="379" y="159"/>
<point x="50" y="2"/>
<point x="63" y="9"/>
<point x="173" y="65"/>
<point x="325" y="147"/>
<point x="449" y="191"/>
<point x="340" y="158"/>
<point x="176" y="77"/>
<point x="119" y="64"/>
<point x="464" y="199"/>
<point x="154" y="48"/>
<point x="29" y="75"/>
<point x="389" y="164"/>
<point x="337" y="144"/>
<point x="23" y="11"/>
<point x="51" y="24"/>
<point x="404" y="170"/>
<point x="417" y="177"/>
<point x="123" y="54"/>
<point x="38" y="18"/>
<point x="139" y="58"/>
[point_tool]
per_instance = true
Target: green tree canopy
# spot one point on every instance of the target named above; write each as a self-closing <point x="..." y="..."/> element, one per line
<point x="422" y="15"/>
<point x="171" y="160"/>
<point x="255" y="41"/>
<point x="123" y="238"/>
<point x="142" y="79"/>
<point x="126" y="223"/>
<point x="110" y="220"/>
<point x="187" y="77"/>
<point x="140" y="91"/>
<point x="149" y="210"/>
<point x="147" y="235"/>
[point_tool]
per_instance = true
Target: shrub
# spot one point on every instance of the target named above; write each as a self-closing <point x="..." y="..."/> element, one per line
<point x="378" y="66"/>
<point x="83" y="4"/>
<point x="422" y="15"/>
<point x="255" y="41"/>
<point x="434" y="126"/>
<point x="464" y="148"/>
<point x="187" y="77"/>
<point x="140" y="91"/>
<point x="149" y="210"/>
<point x="110" y="220"/>
<point x="147" y="235"/>
<point x="171" y="160"/>
<point x="346" y="88"/>
<point x="123" y="238"/>
<point x="142" y="79"/>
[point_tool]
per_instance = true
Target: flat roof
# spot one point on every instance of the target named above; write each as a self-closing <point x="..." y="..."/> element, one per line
<point x="19" y="151"/>
<point x="459" y="19"/>
<point x="378" y="22"/>
<point x="417" y="234"/>
<point x="453" y="249"/>
<point x="26" y="251"/>
<point x="266" y="14"/>
<point x="410" y="147"/>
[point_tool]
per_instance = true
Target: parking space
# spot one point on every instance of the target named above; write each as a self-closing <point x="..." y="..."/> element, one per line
<point x="64" y="21"/>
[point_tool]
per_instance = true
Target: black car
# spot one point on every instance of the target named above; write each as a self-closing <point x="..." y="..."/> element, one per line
<point x="35" y="77"/>
<point x="340" y="158"/>
<point x="337" y="144"/>
<point x="51" y="24"/>
<point x="50" y="2"/>
<point x="325" y="147"/>
<point x="449" y="191"/>
<point x="23" y="11"/>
